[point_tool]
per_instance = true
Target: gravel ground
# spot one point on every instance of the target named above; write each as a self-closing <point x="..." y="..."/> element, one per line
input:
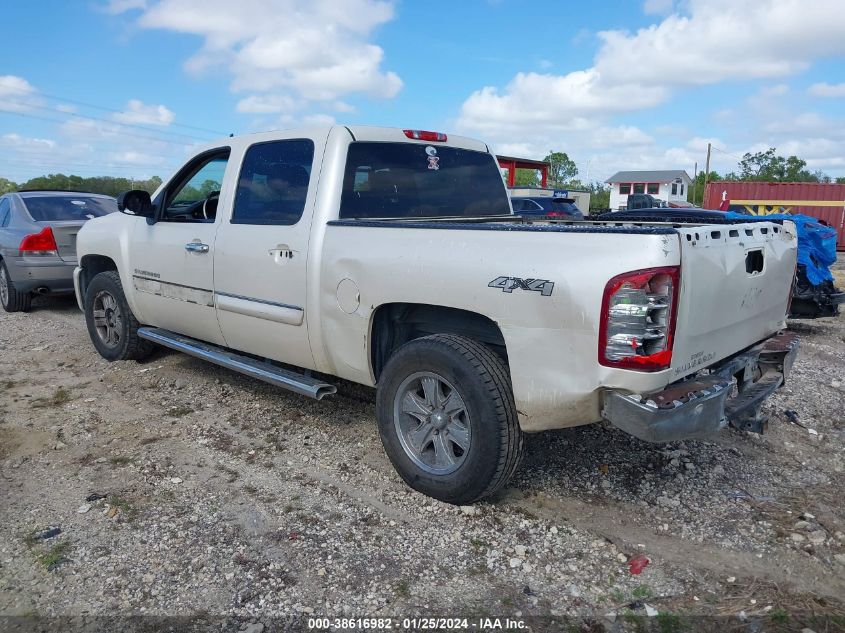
<point x="181" y="488"/>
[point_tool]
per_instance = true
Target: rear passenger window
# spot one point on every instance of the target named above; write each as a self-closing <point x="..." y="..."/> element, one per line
<point x="274" y="182"/>
<point x="4" y="211"/>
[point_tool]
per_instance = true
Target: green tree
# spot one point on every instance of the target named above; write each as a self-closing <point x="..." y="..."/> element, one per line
<point x="696" y="189"/>
<point x="526" y="178"/>
<point x="108" y="185"/>
<point x="151" y="184"/>
<point x="562" y="169"/>
<point x="7" y="186"/>
<point x="209" y="186"/>
<point x="768" y="166"/>
<point x="599" y="196"/>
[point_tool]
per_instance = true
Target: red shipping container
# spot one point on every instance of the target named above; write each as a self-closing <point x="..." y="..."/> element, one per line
<point x="825" y="201"/>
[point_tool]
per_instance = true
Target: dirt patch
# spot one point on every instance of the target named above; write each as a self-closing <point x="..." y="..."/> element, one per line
<point x="184" y="488"/>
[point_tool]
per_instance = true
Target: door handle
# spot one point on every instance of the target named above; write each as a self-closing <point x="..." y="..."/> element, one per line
<point x="196" y="247"/>
<point x="281" y="253"/>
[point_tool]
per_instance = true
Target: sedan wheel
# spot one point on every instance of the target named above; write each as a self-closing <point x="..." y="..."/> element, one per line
<point x="4" y="287"/>
<point x="10" y="298"/>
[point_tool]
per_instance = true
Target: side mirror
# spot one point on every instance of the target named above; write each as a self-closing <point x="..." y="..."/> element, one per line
<point x="136" y="202"/>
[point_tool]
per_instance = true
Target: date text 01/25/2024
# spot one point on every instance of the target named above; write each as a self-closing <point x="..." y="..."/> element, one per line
<point x="416" y="624"/>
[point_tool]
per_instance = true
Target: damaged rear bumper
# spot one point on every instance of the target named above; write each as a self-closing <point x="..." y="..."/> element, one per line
<point x="732" y="393"/>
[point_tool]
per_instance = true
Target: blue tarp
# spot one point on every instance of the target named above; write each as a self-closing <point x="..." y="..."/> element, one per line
<point x="816" y="243"/>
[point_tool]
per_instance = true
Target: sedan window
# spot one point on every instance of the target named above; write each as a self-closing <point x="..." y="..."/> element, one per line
<point x="70" y="207"/>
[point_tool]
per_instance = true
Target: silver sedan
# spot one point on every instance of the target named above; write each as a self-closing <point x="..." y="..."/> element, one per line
<point x="38" y="242"/>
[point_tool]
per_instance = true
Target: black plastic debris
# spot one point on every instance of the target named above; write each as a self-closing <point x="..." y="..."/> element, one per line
<point x="94" y="496"/>
<point x="46" y="534"/>
<point x="792" y="416"/>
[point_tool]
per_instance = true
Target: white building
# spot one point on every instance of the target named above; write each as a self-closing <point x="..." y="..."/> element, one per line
<point x="669" y="185"/>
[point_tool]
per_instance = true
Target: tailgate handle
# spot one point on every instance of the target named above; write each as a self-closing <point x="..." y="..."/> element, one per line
<point x="754" y="262"/>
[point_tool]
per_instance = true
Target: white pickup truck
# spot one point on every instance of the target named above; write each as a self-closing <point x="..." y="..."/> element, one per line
<point x="392" y="258"/>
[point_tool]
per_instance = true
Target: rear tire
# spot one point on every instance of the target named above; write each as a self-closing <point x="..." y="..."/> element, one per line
<point x="111" y="325"/>
<point x="10" y="298"/>
<point x="447" y="418"/>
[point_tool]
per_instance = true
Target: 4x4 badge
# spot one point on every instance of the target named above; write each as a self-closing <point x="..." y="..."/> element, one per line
<point x="509" y="284"/>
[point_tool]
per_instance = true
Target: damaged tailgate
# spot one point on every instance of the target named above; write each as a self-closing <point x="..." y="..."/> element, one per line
<point x="735" y="289"/>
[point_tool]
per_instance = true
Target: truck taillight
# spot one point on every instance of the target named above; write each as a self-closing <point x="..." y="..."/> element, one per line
<point x="42" y="243"/>
<point x="425" y="135"/>
<point x="638" y="319"/>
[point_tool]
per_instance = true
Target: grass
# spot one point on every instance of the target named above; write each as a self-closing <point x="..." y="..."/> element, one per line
<point x="55" y="556"/>
<point x="670" y="622"/>
<point x="31" y="539"/>
<point x="178" y="411"/>
<point x="618" y="596"/>
<point x="233" y="474"/>
<point x="120" y="461"/>
<point x="641" y="592"/>
<point x="60" y="397"/>
<point x="127" y="510"/>
<point x="403" y="589"/>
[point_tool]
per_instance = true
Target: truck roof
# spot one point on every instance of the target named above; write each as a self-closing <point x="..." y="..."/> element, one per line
<point x="357" y="132"/>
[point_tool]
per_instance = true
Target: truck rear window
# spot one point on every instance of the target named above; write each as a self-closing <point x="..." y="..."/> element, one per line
<point x="412" y="180"/>
<point x="60" y="208"/>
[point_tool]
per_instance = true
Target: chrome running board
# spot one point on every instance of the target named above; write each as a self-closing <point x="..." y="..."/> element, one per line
<point x="292" y="381"/>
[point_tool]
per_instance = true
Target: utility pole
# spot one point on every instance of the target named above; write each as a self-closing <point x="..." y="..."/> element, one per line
<point x="694" y="181"/>
<point x="706" y="174"/>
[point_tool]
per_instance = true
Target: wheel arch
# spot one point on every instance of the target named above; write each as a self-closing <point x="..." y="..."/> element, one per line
<point x="394" y="324"/>
<point x="93" y="265"/>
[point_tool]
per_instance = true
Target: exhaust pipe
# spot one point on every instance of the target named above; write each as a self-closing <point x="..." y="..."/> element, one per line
<point x="42" y="290"/>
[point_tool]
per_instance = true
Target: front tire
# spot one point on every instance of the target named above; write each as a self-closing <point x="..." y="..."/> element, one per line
<point x="10" y="298"/>
<point x="111" y="325"/>
<point x="447" y="418"/>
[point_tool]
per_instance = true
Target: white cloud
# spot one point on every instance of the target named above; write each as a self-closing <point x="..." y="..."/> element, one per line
<point x="775" y="90"/>
<point x="314" y="50"/>
<point x="702" y="42"/>
<point x="133" y="158"/>
<point x="15" y="94"/>
<point x="827" y="90"/>
<point x="25" y="144"/>
<point x="265" y="104"/>
<point x="640" y="70"/>
<point x="532" y="99"/>
<point x="318" y="119"/>
<point x="660" y="7"/>
<point x="342" y="106"/>
<point x="139" y="113"/>
<point x="712" y="44"/>
<point x="120" y="6"/>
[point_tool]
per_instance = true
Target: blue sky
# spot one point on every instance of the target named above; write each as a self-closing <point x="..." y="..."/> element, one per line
<point x="129" y="87"/>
